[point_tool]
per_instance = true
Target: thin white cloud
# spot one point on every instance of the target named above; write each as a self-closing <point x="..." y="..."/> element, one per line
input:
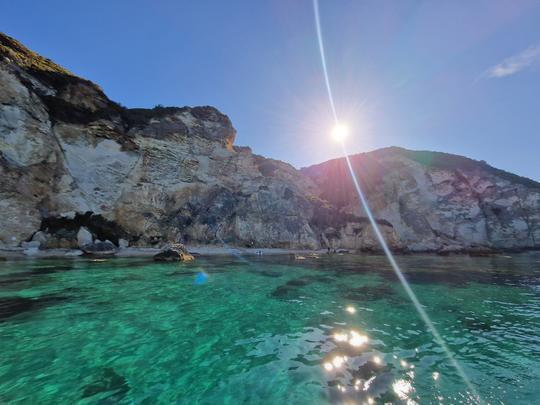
<point x="515" y="63"/>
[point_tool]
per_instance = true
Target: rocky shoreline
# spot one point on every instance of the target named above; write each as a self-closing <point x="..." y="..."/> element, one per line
<point x="21" y="253"/>
<point x="206" y="250"/>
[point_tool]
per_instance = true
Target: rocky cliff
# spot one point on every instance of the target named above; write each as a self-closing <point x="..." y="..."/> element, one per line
<point x="70" y="158"/>
<point x="437" y="201"/>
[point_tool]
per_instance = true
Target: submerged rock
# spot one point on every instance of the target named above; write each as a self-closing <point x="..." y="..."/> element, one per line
<point x="12" y="306"/>
<point x="175" y="252"/>
<point x="108" y="382"/>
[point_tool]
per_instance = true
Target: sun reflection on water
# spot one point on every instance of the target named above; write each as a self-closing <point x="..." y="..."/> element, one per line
<point x="341" y="337"/>
<point x="403" y="389"/>
<point x="353" y="337"/>
<point x="357" y="374"/>
<point x="356" y="339"/>
<point x="338" y="361"/>
<point x="350" y="309"/>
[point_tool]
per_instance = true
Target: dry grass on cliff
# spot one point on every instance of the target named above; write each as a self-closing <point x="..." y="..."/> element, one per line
<point x="27" y="59"/>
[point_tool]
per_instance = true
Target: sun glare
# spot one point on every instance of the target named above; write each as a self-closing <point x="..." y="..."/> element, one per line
<point x="340" y="132"/>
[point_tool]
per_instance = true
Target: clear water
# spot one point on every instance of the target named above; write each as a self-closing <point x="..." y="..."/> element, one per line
<point x="130" y="331"/>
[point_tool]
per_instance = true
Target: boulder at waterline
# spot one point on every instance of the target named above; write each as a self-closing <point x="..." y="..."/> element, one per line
<point x="100" y="248"/>
<point x="175" y="252"/>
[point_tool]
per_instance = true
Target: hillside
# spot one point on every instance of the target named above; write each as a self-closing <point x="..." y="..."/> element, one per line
<point x="437" y="200"/>
<point x="70" y="157"/>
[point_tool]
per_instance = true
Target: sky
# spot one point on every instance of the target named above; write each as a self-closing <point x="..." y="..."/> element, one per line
<point x="457" y="76"/>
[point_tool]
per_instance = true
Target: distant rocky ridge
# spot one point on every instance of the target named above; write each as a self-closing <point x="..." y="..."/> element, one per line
<point x="72" y="160"/>
<point x="437" y="201"/>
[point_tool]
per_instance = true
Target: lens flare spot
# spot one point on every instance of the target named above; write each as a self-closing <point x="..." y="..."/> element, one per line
<point x="377" y="360"/>
<point x="350" y="309"/>
<point x="328" y="366"/>
<point x="339" y="133"/>
<point x="201" y="278"/>
<point x="435" y="375"/>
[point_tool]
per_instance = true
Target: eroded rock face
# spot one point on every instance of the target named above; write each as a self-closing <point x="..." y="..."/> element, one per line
<point x="437" y="201"/>
<point x="71" y="158"/>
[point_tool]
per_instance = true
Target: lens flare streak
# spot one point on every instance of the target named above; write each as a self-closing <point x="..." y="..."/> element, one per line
<point x="323" y="58"/>
<point x="438" y="338"/>
<point x="412" y="296"/>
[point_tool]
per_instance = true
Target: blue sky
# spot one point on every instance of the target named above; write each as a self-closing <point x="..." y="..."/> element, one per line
<point x="454" y="76"/>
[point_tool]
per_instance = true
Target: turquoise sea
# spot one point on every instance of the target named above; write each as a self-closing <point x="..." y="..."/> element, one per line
<point x="268" y="330"/>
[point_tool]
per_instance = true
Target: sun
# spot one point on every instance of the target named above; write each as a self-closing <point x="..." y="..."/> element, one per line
<point x="340" y="132"/>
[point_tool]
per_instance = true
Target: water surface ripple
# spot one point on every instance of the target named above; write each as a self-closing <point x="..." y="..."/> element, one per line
<point x="271" y="330"/>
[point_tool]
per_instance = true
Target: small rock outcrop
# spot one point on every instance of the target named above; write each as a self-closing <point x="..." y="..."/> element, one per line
<point x="123" y="244"/>
<point x="70" y="157"/>
<point x="100" y="248"/>
<point x="175" y="252"/>
<point x="84" y="237"/>
<point x="40" y="237"/>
